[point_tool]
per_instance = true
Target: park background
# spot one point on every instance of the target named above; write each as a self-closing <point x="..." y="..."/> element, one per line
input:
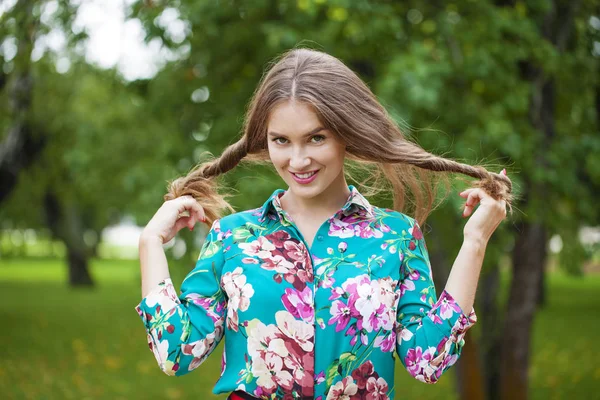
<point x="103" y="102"/>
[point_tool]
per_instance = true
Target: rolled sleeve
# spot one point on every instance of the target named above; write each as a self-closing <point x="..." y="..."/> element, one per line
<point x="430" y="330"/>
<point x="183" y="330"/>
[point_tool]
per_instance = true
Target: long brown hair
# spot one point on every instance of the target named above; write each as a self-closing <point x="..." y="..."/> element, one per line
<point x="346" y="107"/>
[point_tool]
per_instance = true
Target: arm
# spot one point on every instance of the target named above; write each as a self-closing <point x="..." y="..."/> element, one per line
<point x="430" y="331"/>
<point x="153" y="263"/>
<point x="183" y="330"/>
<point x="464" y="276"/>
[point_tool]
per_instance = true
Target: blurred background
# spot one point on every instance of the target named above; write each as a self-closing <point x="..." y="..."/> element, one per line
<point x="102" y="102"/>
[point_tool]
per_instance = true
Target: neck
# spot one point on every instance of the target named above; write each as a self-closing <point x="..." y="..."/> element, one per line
<point x="326" y="203"/>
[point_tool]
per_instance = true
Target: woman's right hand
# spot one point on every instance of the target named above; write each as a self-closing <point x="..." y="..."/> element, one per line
<point x="168" y="219"/>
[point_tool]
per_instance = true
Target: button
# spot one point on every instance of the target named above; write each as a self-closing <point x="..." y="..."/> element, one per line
<point x="320" y="238"/>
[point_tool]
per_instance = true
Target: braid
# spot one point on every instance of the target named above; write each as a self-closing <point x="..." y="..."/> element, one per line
<point x="201" y="185"/>
<point x="230" y="157"/>
<point x="498" y="186"/>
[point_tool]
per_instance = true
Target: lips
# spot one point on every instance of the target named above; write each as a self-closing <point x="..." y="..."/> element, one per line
<point x="304" y="177"/>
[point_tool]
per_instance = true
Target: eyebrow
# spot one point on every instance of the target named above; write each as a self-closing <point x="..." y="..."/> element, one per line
<point x="316" y="130"/>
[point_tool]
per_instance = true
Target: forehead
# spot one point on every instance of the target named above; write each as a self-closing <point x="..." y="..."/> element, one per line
<point x="293" y="117"/>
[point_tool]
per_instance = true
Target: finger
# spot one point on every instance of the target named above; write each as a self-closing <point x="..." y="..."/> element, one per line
<point x="466" y="192"/>
<point x="471" y="202"/>
<point x="189" y="203"/>
<point x="181" y="223"/>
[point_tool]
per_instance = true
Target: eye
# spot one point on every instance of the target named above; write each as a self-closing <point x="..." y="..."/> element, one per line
<point x="277" y="140"/>
<point x="317" y="138"/>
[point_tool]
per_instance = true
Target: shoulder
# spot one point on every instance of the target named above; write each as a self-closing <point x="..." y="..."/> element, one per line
<point x="238" y="219"/>
<point x="395" y="219"/>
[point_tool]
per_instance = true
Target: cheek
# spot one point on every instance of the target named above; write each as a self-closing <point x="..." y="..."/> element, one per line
<point x="277" y="157"/>
<point x="331" y="155"/>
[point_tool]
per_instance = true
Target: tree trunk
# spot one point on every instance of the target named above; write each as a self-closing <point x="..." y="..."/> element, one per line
<point x="469" y="381"/>
<point x="21" y="144"/>
<point x="64" y="222"/>
<point x="529" y="256"/>
<point x="530" y="253"/>
<point x="542" y="293"/>
<point x="469" y="377"/>
<point x="491" y="333"/>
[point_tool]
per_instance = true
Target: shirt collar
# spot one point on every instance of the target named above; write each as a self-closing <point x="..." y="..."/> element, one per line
<point x="356" y="201"/>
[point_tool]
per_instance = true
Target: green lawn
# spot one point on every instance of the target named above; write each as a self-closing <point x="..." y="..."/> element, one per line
<point x="60" y="343"/>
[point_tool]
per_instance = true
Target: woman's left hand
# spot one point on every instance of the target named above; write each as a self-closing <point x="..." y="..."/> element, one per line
<point x="486" y="218"/>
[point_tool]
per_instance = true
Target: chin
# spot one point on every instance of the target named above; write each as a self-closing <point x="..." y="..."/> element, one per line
<point x="307" y="192"/>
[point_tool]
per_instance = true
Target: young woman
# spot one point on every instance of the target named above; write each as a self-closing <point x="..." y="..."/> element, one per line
<point x="317" y="290"/>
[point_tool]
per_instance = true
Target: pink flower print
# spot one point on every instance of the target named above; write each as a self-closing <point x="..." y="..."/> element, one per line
<point x="328" y="280"/>
<point x="320" y="377"/>
<point x="239" y="293"/>
<point x="296" y="251"/>
<point x="383" y="228"/>
<point x="270" y="373"/>
<point x="205" y="303"/>
<point x="336" y="293"/>
<point x="343" y="390"/>
<point x="302" y="276"/>
<point x="260" y="247"/>
<point x="435" y="318"/>
<point x="365" y="230"/>
<point x="364" y="339"/>
<point x="386" y="291"/>
<point x="299" y="332"/>
<point x="405" y="334"/>
<point x="249" y="260"/>
<point x="362" y="373"/>
<point x="299" y="366"/>
<point x="278" y="264"/>
<point x="338" y="228"/>
<point x="222" y="235"/>
<point x="386" y="343"/>
<point x="263" y="339"/>
<point x="406" y="286"/>
<point x="415" y="231"/>
<point x="413" y="360"/>
<point x="278" y="238"/>
<point x="368" y="302"/>
<point x="199" y="349"/>
<point x="340" y="314"/>
<point x="376" y="389"/>
<point x="418" y="363"/>
<point x="385" y="317"/>
<point x="448" y="307"/>
<point x="299" y="303"/>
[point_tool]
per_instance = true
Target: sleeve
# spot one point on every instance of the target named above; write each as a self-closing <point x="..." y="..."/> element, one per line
<point x="429" y="331"/>
<point x="183" y="330"/>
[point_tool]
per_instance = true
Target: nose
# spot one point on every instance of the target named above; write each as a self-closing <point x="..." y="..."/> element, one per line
<point x="299" y="160"/>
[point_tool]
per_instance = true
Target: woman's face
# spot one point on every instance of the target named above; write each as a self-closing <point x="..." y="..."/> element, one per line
<point x="309" y="158"/>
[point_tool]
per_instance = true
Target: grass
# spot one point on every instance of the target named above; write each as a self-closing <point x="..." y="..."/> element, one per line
<point x="64" y="343"/>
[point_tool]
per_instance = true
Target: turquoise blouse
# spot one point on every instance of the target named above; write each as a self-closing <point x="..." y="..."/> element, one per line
<point x="309" y="323"/>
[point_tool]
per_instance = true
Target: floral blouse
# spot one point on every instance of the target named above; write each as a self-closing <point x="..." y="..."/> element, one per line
<point x="324" y="322"/>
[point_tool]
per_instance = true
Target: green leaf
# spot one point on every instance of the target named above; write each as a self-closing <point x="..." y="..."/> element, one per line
<point x="210" y="249"/>
<point x="331" y="372"/>
<point x="241" y="234"/>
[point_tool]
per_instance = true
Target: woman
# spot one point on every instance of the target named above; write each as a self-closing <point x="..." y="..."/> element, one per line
<point x="317" y="290"/>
